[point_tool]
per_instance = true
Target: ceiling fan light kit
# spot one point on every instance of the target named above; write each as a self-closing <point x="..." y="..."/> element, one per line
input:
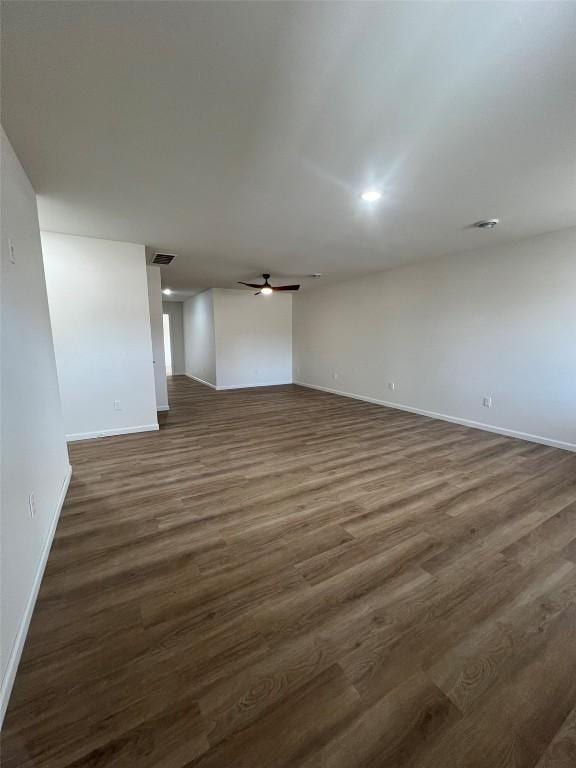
<point x="266" y="289"/>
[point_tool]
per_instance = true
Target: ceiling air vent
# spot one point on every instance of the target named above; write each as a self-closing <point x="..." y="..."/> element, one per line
<point x="162" y="258"/>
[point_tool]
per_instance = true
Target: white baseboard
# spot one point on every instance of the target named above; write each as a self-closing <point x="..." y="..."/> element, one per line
<point x="445" y="417"/>
<point x="16" y="653"/>
<point x="201" y="381"/>
<point x="112" y="432"/>
<point x="253" y="386"/>
<point x="239" y="386"/>
<point x="160" y="408"/>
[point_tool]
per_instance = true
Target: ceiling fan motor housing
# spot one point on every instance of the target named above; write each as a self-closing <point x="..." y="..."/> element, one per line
<point x="269" y="288"/>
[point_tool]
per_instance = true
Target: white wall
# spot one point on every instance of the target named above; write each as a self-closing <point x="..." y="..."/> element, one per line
<point x="199" y="340"/>
<point x="253" y="339"/>
<point x="175" y="310"/>
<point x="34" y="455"/>
<point x="157" y="333"/>
<point x="98" y="298"/>
<point x="497" y="323"/>
<point x="235" y="339"/>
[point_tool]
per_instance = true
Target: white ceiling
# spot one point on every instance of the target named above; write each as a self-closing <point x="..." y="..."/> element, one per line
<point x="239" y="135"/>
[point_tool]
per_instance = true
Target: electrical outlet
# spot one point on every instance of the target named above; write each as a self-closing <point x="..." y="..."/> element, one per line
<point x="334" y="376"/>
<point x="32" y="505"/>
<point x="117" y="406"/>
<point x="11" y="252"/>
<point x="391" y="385"/>
<point x="487" y="402"/>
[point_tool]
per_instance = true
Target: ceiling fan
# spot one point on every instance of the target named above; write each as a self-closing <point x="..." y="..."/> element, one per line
<point x="267" y="289"/>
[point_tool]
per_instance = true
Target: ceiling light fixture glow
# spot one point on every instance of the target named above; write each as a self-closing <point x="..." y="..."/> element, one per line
<point x="266" y="290"/>
<point x="371" y="195"/>
<point x="166" y="291"/>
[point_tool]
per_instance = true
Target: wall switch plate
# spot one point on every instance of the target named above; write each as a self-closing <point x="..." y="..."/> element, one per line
<point x="11" y="252"/>
<point x="487" y="402"/>
<point x="32" y="505"/>
<point x="334" y="376"/>
<point x="117" y="406"/>
<point x="391" y="385"/>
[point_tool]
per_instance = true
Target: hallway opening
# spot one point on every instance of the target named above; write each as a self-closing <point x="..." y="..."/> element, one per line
<point x="167" y="346"/>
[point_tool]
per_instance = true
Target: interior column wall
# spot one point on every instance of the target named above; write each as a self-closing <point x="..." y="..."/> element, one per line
<point x="98" y="298"/>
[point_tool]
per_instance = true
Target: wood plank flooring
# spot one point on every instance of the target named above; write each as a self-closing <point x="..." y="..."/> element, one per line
<point x="282" y="577"/>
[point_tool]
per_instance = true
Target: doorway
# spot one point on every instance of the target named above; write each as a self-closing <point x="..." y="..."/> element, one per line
<point x="167" y="344"/>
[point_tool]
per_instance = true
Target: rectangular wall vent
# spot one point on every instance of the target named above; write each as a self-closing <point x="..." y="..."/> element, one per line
<point x="162" y="258"/>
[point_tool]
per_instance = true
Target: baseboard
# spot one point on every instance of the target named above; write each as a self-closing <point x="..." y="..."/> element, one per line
<point x="445" y="417"/>
<point x="238" y="386"/>
<point x="253" y="386"/>
<point x="160" y="408"/>
<point x="16" y="653"/>
<point x="112" y="432"/>
<point x="201" y="381"/>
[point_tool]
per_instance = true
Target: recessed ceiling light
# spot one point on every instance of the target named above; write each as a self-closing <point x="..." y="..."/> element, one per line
<point x="486" y="223"/>
<point x="371" y="195"/>
<point x="166" y="291"/>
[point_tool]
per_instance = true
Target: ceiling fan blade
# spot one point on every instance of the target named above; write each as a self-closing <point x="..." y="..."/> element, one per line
<point x="286" y="288"/>
<point x="257" y="293"/>
<point x="250" y="285"/>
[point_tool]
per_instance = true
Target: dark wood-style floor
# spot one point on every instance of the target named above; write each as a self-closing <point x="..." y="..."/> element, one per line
<point x="282" y="577"/>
